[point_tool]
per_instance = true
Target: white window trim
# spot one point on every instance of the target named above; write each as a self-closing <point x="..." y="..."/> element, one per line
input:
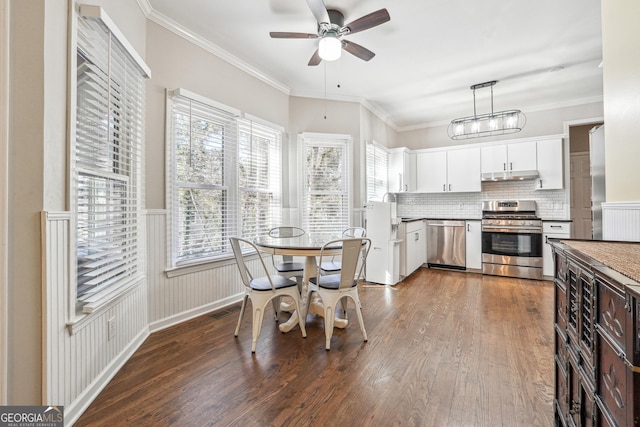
<point x="174" y="268"/>
<point x="335" y="137"/>
<point x="77" y="319"/>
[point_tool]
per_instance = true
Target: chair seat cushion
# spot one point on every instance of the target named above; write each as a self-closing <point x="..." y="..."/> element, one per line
<point x="330" y="281"/>
<point x="331" y="266"/>
<point x="279" y="282"/>
<point x="285" y="267"/>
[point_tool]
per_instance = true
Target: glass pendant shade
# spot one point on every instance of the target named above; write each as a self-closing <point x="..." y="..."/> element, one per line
<point x="330" y="47"/>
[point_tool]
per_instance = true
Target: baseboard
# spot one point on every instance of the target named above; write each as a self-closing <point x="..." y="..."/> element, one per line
<point x="190" y="314"/>
<point x="73" y="411"/>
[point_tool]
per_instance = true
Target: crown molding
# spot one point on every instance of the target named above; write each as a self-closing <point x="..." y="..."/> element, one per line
<point x="205" y="44"/>
<point x="535" y="108"/>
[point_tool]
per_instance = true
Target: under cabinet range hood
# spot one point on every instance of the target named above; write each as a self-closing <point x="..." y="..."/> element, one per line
<point x="511" y="176"/>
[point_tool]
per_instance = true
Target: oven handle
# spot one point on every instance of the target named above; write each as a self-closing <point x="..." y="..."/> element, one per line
<point x="514" y="230"/>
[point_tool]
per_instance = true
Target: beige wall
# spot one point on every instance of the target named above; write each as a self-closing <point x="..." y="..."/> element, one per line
<point x="177" y="63"/>
<point x="621" y="39"/>
<point x="38" y="166"/>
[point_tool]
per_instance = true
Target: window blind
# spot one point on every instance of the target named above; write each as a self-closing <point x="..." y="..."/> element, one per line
<point x="259" y="179"/>
<point x="325" y="188"/>
<point x="225" y="178"/>
<point x="108" y="155"/>
<point x="204" y="205"/>
<point x="377" y="172"/>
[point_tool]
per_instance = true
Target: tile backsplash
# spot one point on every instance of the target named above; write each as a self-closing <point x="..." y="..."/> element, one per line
<point x="551" y="204"/>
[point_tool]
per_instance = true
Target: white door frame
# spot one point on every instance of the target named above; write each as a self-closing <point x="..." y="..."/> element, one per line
<point x="4" y="205"/>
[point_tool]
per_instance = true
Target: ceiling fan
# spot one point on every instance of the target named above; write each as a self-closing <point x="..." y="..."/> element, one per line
<point x="331" y="30"/>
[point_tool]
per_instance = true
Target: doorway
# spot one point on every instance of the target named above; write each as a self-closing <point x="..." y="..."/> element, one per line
<point x="580" y="181"/>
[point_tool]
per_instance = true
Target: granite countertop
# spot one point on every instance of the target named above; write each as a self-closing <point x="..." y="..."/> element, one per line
<point x="557" y="220"/>
<point x="623" y="257"/>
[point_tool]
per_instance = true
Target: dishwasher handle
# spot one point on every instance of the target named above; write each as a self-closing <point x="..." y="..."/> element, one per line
<point x="445" y="223"/>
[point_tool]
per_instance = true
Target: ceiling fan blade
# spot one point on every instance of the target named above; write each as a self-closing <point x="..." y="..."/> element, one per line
<point x="286" y="35"/>
<point x="368" y="21"/>
<point x="357" y="50"/>
<point x="315" y="59"/>
<point x="319" y="10"/>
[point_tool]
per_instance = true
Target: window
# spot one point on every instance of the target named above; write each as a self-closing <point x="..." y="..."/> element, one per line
<point x="107" y="162"/>
<point x="325" y="185"/>
<point x="377" y="172"/>
<point x="224" y="177"/>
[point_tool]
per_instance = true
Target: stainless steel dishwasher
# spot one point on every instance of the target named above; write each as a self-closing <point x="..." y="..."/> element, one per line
<point x="446" y="244"/>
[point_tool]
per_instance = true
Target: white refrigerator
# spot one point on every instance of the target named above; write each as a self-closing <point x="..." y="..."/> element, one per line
<point x="384" y="256"/>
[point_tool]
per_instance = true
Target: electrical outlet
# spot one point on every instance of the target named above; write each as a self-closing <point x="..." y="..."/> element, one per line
<point x="111" y="328"/>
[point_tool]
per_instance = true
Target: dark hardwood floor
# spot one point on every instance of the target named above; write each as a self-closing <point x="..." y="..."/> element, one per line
<point x="445" y="349"/>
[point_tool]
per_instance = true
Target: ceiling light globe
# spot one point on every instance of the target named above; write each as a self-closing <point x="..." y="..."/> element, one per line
<point x="330" y="47"/>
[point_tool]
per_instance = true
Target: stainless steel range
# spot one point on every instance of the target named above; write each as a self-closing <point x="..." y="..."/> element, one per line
<point x="511" y="239"/>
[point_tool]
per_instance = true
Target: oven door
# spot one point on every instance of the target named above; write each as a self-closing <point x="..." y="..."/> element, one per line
<point x="512" y="253"/>
<point x="512" y="244"/>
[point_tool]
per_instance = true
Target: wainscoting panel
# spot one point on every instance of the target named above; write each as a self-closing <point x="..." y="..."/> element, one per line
<point x="621" y="221"/>
<point x="76" y="366"/>
<point x="186" y="294"/>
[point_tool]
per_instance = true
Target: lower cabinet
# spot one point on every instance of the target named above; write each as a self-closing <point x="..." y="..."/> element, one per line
<point x="473" y="245"/>
<point x="597" y="342"/>
<point x="413" y="251"/>
<point x="552" y="230"/>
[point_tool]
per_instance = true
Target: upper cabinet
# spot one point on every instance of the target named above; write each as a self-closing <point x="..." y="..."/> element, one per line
<point x="549" y="155"/>
<point x="452" y="171"/>
<point x="402" y="171"/>
<point x="517" y="156"/>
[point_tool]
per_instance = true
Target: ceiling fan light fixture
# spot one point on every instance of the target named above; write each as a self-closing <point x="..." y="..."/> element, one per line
<point x="330" y="47"/>
<point x="494" y="123"/>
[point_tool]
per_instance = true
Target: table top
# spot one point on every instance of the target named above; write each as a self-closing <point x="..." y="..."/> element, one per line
<point x="308" y="241"/>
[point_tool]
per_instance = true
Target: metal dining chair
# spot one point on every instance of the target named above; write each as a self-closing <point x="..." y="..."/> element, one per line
<point x="284" y="264"/>
<point x="335" y="287"/>
<point x="334" y="265"/>
<point x="261" y="290"/>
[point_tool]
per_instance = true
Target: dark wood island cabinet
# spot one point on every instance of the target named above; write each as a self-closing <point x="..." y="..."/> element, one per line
<point x="597" y="333"/>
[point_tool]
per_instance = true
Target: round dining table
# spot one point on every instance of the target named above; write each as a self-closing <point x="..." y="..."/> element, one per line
<point x="308" y="246"/>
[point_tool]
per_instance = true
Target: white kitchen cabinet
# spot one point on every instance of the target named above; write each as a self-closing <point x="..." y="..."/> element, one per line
<point x="474" y="245"/>
<point x="552" y="230"/>
<point x="402" y="171"/>
<point x="452" y="171"/>
<point x="515" y="156"/>
<point x="413" y="251"/>
<point x="550" y="162"/>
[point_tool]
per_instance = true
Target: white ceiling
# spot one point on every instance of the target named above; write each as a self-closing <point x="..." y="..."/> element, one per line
<point x="544" y="53"/>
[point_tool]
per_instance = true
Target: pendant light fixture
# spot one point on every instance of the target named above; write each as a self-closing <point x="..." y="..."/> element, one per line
<point x="494" y="123"/>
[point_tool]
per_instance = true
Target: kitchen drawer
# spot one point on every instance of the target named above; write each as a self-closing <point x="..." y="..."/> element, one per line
<point x="557" y="228"/>
<point x="414" y="226"/>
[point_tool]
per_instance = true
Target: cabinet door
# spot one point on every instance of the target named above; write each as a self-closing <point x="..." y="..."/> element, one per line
<point x="493" y="159"/>
<point x="463" y="170"/>
<point x="402" y="175"/>
<point x="552" y="230"/>
<point x="416" y="249"/>
<point x="431" y="172"/>
<point x="549" y="154"/>
<point x="474" y="245"/>
<point x="522" y="156"/>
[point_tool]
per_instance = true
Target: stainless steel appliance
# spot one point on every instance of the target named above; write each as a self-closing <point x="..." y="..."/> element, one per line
<point x="447" y="246"/>
<point x="511" y="239"/>
<point x="598" y="188"/>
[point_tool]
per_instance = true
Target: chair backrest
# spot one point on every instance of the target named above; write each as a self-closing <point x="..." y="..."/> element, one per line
<point x="354" y="232"/>
<point x="286" y="231"/>
<point x="353" y="250"/>
<point x="245" y="273"/>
